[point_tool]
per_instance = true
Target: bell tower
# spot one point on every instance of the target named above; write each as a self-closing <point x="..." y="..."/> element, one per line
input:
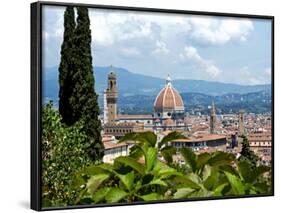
<point x="241" y="121"/>
<point x="213" y="119"/>
<point x="111" y="97"/>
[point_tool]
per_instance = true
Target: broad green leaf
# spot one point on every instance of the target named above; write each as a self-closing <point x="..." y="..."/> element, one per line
<point x="229" y="169"/>
<point x="157" y="182"/>
<point x="133" y="136"/>
<point x="100" y="194"/>
<point x="150" y="158"/>
<point x="201" y="193"/>
<point x="150" y="137"/>
<point x="131" y="162"/>
<point x="212" y="179"/>
<point x="185" y="182"/>
<point x="115" y="194"/>
<point x="183" y="193"/>
<point x="143" y="137"/>
<point x="127" y="179"/>
<point x="202" y="159"/>
<point x="161" y="170"/>
<point x="189" y="157"/>
<point x="221" y="158"/>
<point x="218" y="190"/>
<point x="236" y="184"/>
<point x="168" y="152"/>
<point x="136" y="152"/>
<point x="152" y="196"/>
<point x="106" y="167"/>
<point x="194" y="177"/>
<point x="206" y="172"/>
<point x="250" y="174"/>
<point x="244" y="169"/>
<point x="95" y="181"/>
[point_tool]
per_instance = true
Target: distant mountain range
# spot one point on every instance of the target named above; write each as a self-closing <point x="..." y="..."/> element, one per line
<point x="137" y="92"/>
<point x="257" y="102"/>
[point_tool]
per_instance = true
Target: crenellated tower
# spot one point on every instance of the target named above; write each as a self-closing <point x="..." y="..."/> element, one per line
<point x="111" y="97"/>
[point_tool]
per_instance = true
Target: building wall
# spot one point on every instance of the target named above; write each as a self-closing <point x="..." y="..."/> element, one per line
<point x="199" y="144"/>
<point x="111" y="154"/>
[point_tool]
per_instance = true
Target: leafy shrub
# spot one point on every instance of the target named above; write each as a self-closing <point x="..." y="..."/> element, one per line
<point x="63" y="154"/>
<point x="204" y="175"/>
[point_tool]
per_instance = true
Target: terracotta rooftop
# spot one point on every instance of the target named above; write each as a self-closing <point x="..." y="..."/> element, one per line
<point x="207" y="137"/>
<point x="110" y="145"/>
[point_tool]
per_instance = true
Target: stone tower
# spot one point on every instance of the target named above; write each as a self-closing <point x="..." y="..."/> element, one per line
<point x="111" y="97"/>
<point x="213" y="118"/>
<point x="241" y="121"/>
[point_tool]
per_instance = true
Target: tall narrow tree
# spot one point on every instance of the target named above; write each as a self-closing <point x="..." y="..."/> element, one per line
<point x="247" y="153"/>
<point x="66" y="67"/>
<point x="84" y="99"/>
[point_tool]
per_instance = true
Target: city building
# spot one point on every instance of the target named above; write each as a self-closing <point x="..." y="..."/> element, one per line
<point x="118" y="130"/>
<point x="112" y="149"/>
<point x="201" y="142"/>
<point x="260" y="143"/>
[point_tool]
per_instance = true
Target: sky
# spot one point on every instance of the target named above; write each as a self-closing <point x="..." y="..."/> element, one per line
<point x="230" y="50"/>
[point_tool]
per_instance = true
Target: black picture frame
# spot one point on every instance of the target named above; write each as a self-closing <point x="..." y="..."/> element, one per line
<point x="36" y="95"/>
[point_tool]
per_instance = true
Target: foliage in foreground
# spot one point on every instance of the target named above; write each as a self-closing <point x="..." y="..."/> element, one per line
<point x="204" y="175"/>
<point x="63" y="155"/>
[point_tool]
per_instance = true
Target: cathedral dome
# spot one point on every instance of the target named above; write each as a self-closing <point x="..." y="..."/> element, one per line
<point x="168" y="99"/>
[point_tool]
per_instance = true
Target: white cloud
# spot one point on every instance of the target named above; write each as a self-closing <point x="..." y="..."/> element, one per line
<point x="161" y="48"/>
<point x="109" y="28"/>
<point x="191" y="54"/>
<point x="130" y="51"/>
<point x="220" y="31"/>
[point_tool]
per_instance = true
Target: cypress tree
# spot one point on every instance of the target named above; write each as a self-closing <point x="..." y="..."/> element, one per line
<point x="66" y="67"/>
<point x="84" y="99"/>
<point x="247" y="153"/>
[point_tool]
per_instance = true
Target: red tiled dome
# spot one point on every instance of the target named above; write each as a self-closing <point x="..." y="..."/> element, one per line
<point x="168" y="99"/>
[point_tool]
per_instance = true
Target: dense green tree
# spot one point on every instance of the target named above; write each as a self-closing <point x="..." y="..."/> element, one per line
<point x="247" y="154"/>
<point x="84" y="99"/>
<point x="66" y="67"/>
<point x="63" y="155"/>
